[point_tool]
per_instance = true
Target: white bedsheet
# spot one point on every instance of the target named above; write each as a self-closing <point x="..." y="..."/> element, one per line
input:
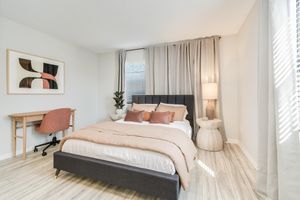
<point x="129" y="156"/>
<point x="182" y="125"/>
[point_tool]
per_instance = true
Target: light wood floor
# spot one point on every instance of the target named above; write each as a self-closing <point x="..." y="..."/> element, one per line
<point x="218" y="175"/>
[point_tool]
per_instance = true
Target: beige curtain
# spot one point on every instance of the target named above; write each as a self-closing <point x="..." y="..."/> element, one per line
<point x="278" y="119"/>
<point x="121" y="70"/>
<point x="182" y="67"/>
<point x="168" y="69"/>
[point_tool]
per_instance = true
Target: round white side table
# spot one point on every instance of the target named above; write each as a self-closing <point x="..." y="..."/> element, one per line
<point x="209" y="137"/>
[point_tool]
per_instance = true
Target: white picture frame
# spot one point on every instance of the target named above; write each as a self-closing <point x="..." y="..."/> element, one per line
<point x="31" y="74"/>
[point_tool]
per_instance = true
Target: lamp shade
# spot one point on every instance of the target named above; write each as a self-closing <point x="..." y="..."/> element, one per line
<point x="209" y="91"/>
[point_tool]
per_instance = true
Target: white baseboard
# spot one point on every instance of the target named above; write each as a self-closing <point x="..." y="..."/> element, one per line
<point x="28" y="149"/>
<point x="244" y="150"/>
<point x="19" y="152"/>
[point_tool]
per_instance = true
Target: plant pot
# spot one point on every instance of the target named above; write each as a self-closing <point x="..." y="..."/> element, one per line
<point x="119" y="111"/>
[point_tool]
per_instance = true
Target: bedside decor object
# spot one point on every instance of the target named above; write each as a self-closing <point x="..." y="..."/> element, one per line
<point x="116" y="117"/>
<point x="210" y="93"/>
<point x="119" y="102"/>
<point x="30" y="74"/>
<point x="209" y="138"/>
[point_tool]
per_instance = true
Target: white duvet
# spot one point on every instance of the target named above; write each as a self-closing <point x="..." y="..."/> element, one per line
<point x="129" y="156"/>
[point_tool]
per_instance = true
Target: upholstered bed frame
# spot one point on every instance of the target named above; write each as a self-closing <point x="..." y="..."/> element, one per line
<point x="187" y="100"/>
<point x="142" y="180"/>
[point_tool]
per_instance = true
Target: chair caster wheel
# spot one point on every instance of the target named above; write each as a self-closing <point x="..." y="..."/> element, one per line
<point x="35" y="149"/>
<point x="44" y="153"/>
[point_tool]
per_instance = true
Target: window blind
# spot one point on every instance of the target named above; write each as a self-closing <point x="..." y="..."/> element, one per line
<point x="134" y="74"/>
<point x="298" y="51"/>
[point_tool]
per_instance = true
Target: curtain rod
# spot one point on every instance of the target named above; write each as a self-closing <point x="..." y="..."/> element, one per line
<point x="174" y="43"/>
<point x="135" y="49"/>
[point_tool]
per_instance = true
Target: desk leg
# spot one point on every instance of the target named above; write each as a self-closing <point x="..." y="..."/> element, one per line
<point x="14" y="137"/>
<point x="64" y="133"/>
<point x="24" y="137"/>
<point x="73" y="121"/>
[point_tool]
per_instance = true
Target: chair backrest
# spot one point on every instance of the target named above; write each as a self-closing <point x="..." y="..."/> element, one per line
<point x="55" y="120"/>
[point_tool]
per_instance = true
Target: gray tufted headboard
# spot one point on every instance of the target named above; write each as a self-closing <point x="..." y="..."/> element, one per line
<point x="187" y="100"/>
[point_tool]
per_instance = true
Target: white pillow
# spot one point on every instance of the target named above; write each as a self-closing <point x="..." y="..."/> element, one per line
<point x="179" y="109"/>
<point x="143" y="107"/>
<point x="170" y="104"/>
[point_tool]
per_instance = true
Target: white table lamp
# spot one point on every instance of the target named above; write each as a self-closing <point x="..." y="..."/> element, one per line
<point x="210" y="93"/>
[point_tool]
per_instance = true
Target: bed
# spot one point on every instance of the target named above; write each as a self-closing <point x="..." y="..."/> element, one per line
<point x="152" y="174"/>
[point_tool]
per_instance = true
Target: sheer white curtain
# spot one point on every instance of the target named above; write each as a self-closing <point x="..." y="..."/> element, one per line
<point x="279" y="149"/>
<point x="182" y="67"/>
<point x="267" y="178"/>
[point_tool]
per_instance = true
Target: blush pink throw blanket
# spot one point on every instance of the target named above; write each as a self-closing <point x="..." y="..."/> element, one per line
<point x="168" y="141"/>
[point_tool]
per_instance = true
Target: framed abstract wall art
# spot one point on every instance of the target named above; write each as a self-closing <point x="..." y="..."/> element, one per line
<point x="30" y="74"/>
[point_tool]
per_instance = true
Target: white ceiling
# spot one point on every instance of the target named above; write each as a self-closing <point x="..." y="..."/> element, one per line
<point x="105" y="25"/>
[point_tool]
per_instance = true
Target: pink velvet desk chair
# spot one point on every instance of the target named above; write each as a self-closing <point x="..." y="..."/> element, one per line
<point x="53" y="122"/>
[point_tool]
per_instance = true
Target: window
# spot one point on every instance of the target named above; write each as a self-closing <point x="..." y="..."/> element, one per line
<point x="134" y="74"/>
<point x="298" y="50"/>
<point x="298" y="58"/>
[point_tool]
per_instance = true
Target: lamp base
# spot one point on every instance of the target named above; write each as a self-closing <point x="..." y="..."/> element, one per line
<point x="210" y="110"/>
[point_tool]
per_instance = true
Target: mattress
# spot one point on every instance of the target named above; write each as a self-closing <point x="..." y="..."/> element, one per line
<point x="129" y="156"/>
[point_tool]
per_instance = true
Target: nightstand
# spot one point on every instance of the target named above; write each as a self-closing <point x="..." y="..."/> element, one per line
<point x="209" y="137"/>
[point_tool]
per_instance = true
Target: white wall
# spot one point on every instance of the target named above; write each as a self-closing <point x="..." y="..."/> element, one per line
<point x="238" y="73"/>
<point x="108" y="73"/>
<point x="229" y="86"/>
<point x="247" y="84"/>
<point x="81" y="82"/>
<point x="238" y="66"/>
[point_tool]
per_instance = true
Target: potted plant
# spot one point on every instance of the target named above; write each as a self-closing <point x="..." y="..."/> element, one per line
<point x="119" y="102"/>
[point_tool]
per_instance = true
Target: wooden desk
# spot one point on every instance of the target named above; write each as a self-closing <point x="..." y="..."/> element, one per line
<point x="25" y="119"/>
